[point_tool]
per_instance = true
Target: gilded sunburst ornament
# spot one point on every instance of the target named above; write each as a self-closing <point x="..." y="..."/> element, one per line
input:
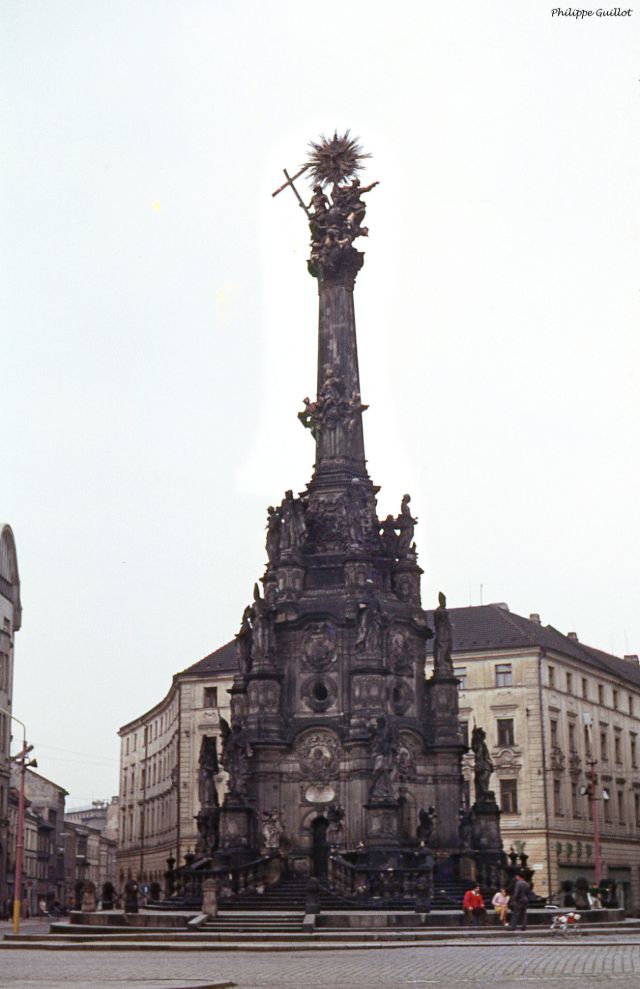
<point x="335" y="159"/>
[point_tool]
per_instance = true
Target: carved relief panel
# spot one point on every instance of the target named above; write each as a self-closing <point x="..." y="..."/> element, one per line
<point x="319" y="648"/>
<point x="368" y="693"/>
<point x="263" y="697"/>
<point x="318" y="753"/>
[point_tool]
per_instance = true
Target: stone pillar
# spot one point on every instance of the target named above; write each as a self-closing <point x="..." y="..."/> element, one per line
<point x="89" y="897"/>
<point x="210" y="897"/>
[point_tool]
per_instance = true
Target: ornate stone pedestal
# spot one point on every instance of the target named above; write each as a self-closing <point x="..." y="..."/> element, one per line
<point x="236" y="827"/>
<point x="486" y="825"/>
<point x="382" y="823"/>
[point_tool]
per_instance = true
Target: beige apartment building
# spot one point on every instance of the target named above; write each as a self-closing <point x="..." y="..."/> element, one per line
<point x="159" y="756"/>
<point x="555" y="711"/>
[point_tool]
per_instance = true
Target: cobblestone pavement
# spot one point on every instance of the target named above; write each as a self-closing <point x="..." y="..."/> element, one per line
<point x="495" y="966"/>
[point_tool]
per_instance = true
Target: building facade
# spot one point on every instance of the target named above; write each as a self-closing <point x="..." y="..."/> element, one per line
<point x="90" y="842"/>
<point x="43" y="876"/>
<point x="559" y="717"/>
<point x="10" y="622"/>
<point x="159" y="765"/>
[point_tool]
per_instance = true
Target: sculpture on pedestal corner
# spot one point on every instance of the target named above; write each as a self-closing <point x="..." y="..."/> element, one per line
<point x="208" y="816"/>
<point x="483" y="766"/>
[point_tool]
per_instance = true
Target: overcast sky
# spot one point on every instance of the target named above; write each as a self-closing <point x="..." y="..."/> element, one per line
<point x="159" y="326"/>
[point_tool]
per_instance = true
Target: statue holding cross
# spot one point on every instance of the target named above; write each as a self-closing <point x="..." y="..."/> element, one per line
<point x="335" y="223"/>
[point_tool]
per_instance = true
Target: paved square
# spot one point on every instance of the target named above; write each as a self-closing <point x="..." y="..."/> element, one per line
<point x="462" y="966"/>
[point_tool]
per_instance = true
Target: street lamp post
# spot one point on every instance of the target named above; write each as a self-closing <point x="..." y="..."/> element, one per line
<point x="595" y="817"/>
<point x="21" y="759"/>
<point x="590" y="791"/>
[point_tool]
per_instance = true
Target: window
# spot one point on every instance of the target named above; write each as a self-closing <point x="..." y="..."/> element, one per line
<point x="633" y="738"/>
<point x="617" y="747"/>
<point x="615" y="700"/>
<point x="621" y="806"/>
<point x="461" y="673"/>
<point x="600" y="694"/>
<point x="569" y="683"/>
<point x="572" y="736"/>
<point x="636" y="808"/>
<point x="126" y="745"/>
<point x="630" y="703"/>
<point x="509" y="796"/>
<point x="506" y="735"/>
<point x="210" y="696"/>
<point x="575" y="808"/>
<point x="464" y="733"/>
<point x="585" y="688"/>
<point x="504" y="675"/>
<point x="557" y="798"/>
<point x="554" y="734"/>
<point x="604" y="752"/>
<point x="552" y="677"/>
<point x="607" y="808"/>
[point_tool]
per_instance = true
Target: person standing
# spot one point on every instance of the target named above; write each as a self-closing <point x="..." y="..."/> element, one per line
<point x="519" y="901"/>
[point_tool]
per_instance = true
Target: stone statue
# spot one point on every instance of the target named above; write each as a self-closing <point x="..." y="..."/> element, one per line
<point x="274" y="534"/>
<point x="369" y="628"/>
<point x="356" y="207"/>
<point x="399" y="655"/>
<point x="406" y="524"/>
<point x="208" y="770"/>
<point x="318" y="220"/>
<point x="272" y="829"/>
<point x="389" y="536"/>
<point x="262" y="645"/>
<point x="208" y="817"/>
<point x="308" y="416"/>
<point x="243" y="642"/>
<point x="294" y="526"/>
<point x="356" y="512"/>
<point x="483" y="766"/>
<point x="234" y="757"/>
<point x="384" y="745"/>
<point x="330" y="406"/>
<point x="426" y="819"/>
<point x="443" y="642"/>
<point x="208" y="824"/>
<point x="333" y="225"/>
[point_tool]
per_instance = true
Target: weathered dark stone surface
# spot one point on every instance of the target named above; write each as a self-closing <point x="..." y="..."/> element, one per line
<point x="334" y="731"/>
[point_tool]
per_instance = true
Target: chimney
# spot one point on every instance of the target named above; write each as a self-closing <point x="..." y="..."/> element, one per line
<point x="534" y="617"/>
<point x="632" y="658"/>
<point x="573" y="635"/>
<point x="502" y="605"/>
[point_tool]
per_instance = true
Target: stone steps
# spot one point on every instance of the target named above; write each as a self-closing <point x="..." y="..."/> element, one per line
<point x="142" y="940"/>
